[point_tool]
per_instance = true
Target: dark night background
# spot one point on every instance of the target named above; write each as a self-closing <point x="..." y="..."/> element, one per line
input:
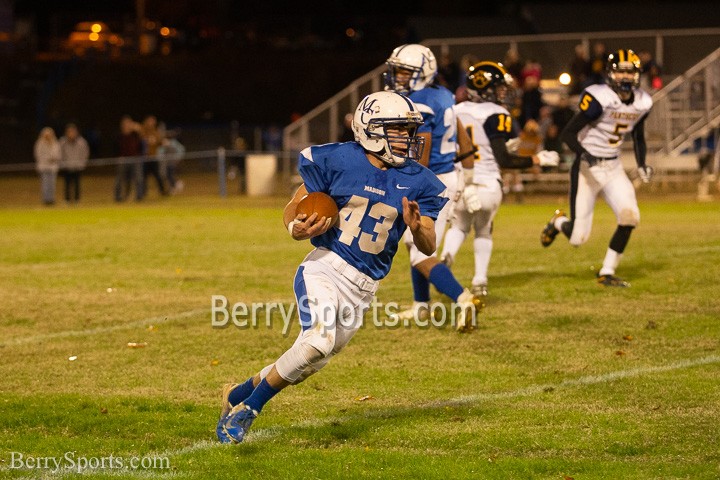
<point x="255" y="63"/>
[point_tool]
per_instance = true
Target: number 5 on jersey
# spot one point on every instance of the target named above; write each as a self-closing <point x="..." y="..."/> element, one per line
<point x="352" y="215"/>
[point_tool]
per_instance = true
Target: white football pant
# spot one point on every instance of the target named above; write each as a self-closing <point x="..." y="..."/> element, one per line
<point x="332" y="298"/>
<point x="481" y="222"/>
<point x="610" y="179"/>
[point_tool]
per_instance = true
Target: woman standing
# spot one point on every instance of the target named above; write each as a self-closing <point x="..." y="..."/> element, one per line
<point x="47" y="161"/>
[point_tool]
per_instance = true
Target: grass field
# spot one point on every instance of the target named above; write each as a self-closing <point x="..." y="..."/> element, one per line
<point x="562" y="379"/>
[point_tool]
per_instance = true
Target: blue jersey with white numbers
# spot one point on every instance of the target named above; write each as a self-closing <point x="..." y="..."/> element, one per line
<point x="435" y="104"/>
<point x="370" y="202"/>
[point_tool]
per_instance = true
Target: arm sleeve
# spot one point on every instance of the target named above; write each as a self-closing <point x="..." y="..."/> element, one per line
<point x="638" y="136"/>
<point x="499" y="129"/>
<point x="569" y="134"/>
<point x="312" y="172"/>
<point x="506" y="159"/>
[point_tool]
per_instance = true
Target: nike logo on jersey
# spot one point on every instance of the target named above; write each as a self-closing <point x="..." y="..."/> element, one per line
<point x="401" y="187"/>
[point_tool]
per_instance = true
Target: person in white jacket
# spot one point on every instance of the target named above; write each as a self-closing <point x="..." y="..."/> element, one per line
<point x="47" y="163"/>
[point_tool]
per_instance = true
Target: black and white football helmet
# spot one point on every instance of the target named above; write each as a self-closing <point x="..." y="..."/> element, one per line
<point x="623" y="61"/>
<point x="381" y="110"/>
<point x="489" y="82"/>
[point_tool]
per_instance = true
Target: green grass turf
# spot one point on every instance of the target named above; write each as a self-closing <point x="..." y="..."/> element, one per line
<point x="563" y="378"/>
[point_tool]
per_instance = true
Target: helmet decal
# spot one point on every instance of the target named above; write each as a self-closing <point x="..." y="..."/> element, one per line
<point x="484" y="79"/>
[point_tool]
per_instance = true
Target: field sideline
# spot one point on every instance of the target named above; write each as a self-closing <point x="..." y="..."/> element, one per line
<point x="562" y="379"/>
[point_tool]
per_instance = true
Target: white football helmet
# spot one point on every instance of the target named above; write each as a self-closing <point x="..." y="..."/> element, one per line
<point x="417" y="59"/>
<point x="375" y="114"/>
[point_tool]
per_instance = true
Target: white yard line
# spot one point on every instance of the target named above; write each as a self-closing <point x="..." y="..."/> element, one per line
<point x="266" y="433"/>
<point x="101" y="330"/>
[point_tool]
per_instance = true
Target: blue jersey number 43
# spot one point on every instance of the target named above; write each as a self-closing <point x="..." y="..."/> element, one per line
<point x="352" y="214"/>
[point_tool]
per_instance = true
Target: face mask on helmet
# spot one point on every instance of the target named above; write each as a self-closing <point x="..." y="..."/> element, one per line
<point x="410" y="68"/>
<point x="623" y="71"/>
<point x="385" y="124"/>
<point x="489" y="82"/>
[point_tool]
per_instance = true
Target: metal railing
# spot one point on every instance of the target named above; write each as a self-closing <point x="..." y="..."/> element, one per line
<point x="686" y="109"/>
<point x="677" y="50"/>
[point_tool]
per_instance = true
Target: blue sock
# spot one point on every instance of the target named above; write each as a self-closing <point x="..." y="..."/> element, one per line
<point x="421" y="286"/>
<point x="261" y="395"/>
<point x="445" y="282"/>
<point x="241" y="392"/>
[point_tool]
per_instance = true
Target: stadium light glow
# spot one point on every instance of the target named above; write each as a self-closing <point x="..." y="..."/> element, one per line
<point x="565" y="78"/>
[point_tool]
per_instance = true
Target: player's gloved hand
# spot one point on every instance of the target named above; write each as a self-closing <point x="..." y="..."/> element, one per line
<point x="645" y="173"/>
<point x="548" y="158"/>
<point x="471" y="197"/>
<point x="512" y="144"/>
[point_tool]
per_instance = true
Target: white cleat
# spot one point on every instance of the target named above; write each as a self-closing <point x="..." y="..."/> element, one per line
<point x="479" y="290"/>
<point x="467" y="306"/>
<point x="419" y="312"/>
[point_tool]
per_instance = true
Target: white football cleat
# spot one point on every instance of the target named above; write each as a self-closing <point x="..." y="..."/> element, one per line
<point x="418" y="312"/>
<point x="467" y="306"/>
<point x="480" y="290"/>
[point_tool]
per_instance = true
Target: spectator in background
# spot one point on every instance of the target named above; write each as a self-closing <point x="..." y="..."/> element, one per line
<point x="650" y="79"/>
<point x="237" y="170"/>
<point x="531" y="69"/>
<point x="545" y="120"/>
<point x="529" y="143"/>
<point x="598" y="63"/>
<point x="272" y="138"/>
<point x="532" y="100"/>
<point x="448" y="73"/>
<point x="513" y="65"/>
<point x="47" y="162"/>
<point x="129" y="170"/>
<point x="152" y="136"/>
<point x="580" y="70"/>
<point x="169" y="154"/>
<point x="75" y="152"/>
<point x="563" y="112"/>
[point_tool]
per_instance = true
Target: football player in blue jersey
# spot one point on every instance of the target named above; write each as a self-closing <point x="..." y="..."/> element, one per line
<point x="607" y="113"/>
<point x="411" y="71"/>
<point x="381" y="191"/>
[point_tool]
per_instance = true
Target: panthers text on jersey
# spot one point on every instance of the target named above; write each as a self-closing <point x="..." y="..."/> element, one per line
<point x="435" y="104"/>
<point x="485" y="121"/>
<point x="612" y="118"/>
<point x="370" y="201"/>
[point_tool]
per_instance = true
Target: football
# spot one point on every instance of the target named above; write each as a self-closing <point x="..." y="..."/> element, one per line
<point x="320" y="203"/>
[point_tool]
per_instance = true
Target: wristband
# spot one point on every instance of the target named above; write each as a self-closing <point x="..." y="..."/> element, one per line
<point x="291" y="225"/>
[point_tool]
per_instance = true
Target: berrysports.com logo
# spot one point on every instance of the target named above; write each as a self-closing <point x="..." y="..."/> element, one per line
<point x="71" y="462"/>
<point x="377" y="314"/>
